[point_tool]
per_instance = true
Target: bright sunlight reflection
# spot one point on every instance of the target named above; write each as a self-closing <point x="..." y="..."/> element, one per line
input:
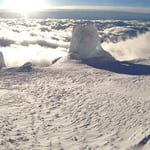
<point x="25" y="6"/>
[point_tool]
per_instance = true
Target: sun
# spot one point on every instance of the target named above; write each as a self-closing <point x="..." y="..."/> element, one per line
<point x="25" y="6"/>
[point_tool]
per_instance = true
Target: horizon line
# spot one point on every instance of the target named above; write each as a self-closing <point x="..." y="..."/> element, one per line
<point x="90" y="8"/>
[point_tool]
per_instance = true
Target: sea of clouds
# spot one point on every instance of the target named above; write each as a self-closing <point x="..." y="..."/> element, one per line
<point x="40" y="41"/>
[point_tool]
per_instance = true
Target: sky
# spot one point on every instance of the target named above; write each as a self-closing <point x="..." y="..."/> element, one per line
<point x="26" y="6"/>
<point x="114" y="3"/>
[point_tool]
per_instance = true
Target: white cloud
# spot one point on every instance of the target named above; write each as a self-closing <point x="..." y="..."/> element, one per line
<point x="37" y="55"/>
<point x="22" y="41"/>
<point x="138" y="47"/>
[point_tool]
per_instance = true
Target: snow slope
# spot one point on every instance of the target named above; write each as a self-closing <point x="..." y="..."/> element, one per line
<point x="73" y="106"/>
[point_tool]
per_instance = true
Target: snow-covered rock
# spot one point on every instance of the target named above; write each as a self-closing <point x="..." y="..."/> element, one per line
<point x="27" y="67"/>
<point x="85" y="44"/>
<point x="2" y="62"/>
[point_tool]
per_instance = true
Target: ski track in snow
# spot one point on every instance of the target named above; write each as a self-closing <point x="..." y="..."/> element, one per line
<point x="73" y="107"/>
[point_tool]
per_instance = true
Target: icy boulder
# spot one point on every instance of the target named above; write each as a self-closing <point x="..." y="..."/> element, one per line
<point x="2" y="62"/>
<point x="85" y="44"/>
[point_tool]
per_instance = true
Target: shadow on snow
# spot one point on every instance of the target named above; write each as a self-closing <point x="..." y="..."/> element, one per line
<point x="123" y="67"/>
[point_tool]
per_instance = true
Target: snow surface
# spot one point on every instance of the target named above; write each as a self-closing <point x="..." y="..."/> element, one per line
<point x="73" y="106"/>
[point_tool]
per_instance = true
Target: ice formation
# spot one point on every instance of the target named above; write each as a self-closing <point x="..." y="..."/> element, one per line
<point x="85" y="44"/>
<point x="2" y="62"/>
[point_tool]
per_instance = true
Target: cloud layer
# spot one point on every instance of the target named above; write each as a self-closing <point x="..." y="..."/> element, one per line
<point x="42" y="40"/>
<point x="130" y="49"/>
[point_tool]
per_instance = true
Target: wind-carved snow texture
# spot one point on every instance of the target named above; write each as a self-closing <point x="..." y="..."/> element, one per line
<point x="2" y="62"/>
<point x="73" y="106"/>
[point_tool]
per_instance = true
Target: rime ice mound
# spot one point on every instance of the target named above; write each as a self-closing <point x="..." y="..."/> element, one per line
<point x="2" y="62"/>
<point x="85" y="45"/>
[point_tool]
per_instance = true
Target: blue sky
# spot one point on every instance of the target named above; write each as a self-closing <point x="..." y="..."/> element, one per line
<point x="73" y="3"/>
<point x="116" y="3"/>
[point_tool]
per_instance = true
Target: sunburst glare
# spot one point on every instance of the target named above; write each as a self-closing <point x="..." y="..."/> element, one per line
<point x="25" y="6"/>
